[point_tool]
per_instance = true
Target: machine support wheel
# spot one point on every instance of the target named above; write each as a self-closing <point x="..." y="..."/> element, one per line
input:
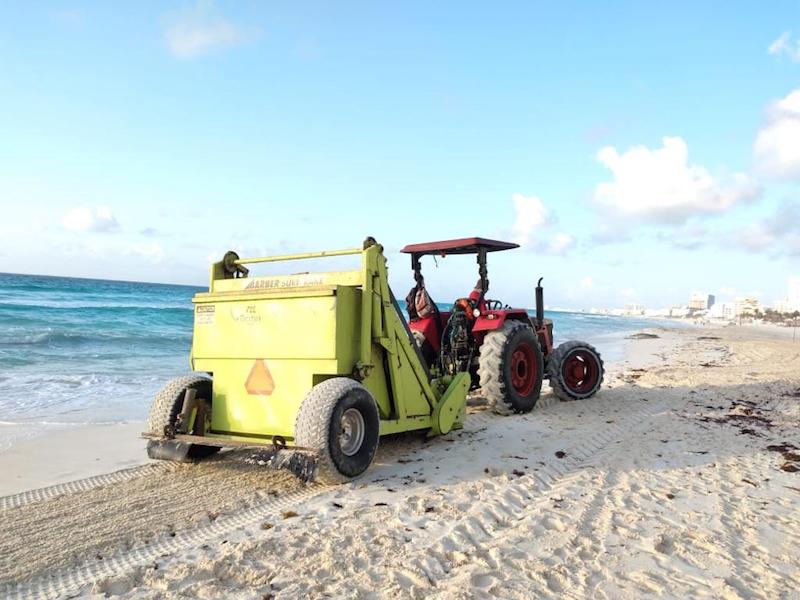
<point x="163" y="413"/>
<point x="339" y="418"/>
<point x="575" y="370"/>
<point x="511" y="367"/>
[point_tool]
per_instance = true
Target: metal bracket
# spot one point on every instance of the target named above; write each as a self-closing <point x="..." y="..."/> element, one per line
<point x="231" y="268"/>
<point x="416" y="266"/>
<point x="183" y="420"/>
<point x="483" y="274"/>
<point x="361" y="371"/>
<point x="452" y="405"/>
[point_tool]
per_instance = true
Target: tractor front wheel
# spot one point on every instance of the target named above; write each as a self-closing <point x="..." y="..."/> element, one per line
<point x="339" y="418"/>
<point x="163" y="413"/>
<point x="575" y="370"/>
<point x="511" y="367"/>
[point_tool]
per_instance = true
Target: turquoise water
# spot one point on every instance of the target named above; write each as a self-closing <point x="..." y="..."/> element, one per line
<point x="93" y="351"/>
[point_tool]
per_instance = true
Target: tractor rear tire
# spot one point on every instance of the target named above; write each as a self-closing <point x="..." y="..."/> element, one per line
<point x="339" y="418"/>
<point x="575" y="370"/>
<point x="163" y="413"/>
<point x="511" y="367"/>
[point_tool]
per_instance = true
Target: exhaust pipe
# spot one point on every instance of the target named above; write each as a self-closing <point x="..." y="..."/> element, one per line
<point x="539" y="303"/>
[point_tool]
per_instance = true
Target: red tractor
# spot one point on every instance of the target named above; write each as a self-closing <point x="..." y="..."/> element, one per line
<point x="507" y="353"/>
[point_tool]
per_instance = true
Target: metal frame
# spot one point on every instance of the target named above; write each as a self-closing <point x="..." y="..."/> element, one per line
<point x="380" y="352"/>
<point x="489" y="319"/>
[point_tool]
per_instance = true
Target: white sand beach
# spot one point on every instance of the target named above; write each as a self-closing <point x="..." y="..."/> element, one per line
<point x="680" y="479"/>
<point x="50" y="455"/>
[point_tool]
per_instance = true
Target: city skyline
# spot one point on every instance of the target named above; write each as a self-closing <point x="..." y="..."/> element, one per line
<point x="704" y="301"/>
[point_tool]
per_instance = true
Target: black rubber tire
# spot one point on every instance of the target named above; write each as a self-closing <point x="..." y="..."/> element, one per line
<point x="163" y="413"/>
<point x="494" y="366"/>
<point x="318" y="426"/>
<point x="555" y="372"/>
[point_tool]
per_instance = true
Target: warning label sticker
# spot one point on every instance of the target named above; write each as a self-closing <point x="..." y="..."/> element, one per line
<point x="205" y="314"/>
<point x="259" y="381"/>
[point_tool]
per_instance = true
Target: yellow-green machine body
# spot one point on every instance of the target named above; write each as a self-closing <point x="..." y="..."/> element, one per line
<point x="267" y="340"/>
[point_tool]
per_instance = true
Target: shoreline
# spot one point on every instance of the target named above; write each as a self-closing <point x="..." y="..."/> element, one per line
<point x="34" y="456"/>
<point x="42" y="457"/>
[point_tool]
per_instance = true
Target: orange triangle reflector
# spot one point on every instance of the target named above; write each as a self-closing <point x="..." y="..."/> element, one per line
<point x="260" y="381"/>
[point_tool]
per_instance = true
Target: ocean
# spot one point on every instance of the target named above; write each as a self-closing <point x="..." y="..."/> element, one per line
<point x="76" y="351"/>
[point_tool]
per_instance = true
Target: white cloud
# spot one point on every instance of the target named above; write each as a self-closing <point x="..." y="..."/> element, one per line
<point x="608" y="233"/>
<point x="785" y="46"/>
<point x="691" y="236"/>
<point x="97" y="219"/>
<point x="777" y="146"/>
<point x="778" y="234"/>
<point x="531" y="220"/>
<point x="587" y="282"/>
<point x="561" y="242"/>
<point x="198" y="30"/>
<point x="530" y="214"/>
<point x="755" y="237"/>
<point x="152" y="251"/>
<point x="661" y="186"/>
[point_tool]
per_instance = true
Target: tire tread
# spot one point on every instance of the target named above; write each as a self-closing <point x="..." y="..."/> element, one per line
<point x="165" y="408"/>
<point x="312" y="424"/>
<point x="491" y="364"/>
<point x="554" y="370"/>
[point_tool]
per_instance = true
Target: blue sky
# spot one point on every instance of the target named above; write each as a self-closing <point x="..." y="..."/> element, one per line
<point x="638" y="152"/>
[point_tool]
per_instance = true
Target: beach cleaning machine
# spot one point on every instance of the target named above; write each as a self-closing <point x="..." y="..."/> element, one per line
<point x="309" y="370"/>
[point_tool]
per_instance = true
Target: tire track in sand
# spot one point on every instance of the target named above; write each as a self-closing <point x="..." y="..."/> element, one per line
<point x="75" y="579"/>
<point x="513" y="501"/>
<point x="751" y="561"/>
<point x="80" y="485"/>
<point x="67" y="582"/>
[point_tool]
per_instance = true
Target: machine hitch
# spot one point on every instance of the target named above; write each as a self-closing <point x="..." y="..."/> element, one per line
<point x="300" y="462"/>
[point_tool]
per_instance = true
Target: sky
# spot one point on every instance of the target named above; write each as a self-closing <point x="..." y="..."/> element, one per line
<point x="637" y="151"/>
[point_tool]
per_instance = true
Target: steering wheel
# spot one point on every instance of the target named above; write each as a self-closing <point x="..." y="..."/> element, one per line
<point x="494" y="304"/>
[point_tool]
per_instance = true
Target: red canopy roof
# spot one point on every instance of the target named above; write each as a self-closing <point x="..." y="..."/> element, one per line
<point x="460" y="246"/>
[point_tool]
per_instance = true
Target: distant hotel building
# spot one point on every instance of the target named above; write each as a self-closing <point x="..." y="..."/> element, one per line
<point x="723" y="310"/>
<point x="783" y="306"/>
<point x="701" y="301"/>
<point x="634" y="309"/>
<point x="745" y="307"/>
<point x="792" y="301"/>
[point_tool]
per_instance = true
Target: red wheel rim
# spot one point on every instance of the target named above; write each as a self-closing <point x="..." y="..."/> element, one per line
<point x="523" y="369"/>
<point x="580" y="371"/>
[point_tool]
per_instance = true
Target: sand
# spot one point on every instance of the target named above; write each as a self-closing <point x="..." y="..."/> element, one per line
<point x="51" y="455"/>
<point x="677" y="480"/>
